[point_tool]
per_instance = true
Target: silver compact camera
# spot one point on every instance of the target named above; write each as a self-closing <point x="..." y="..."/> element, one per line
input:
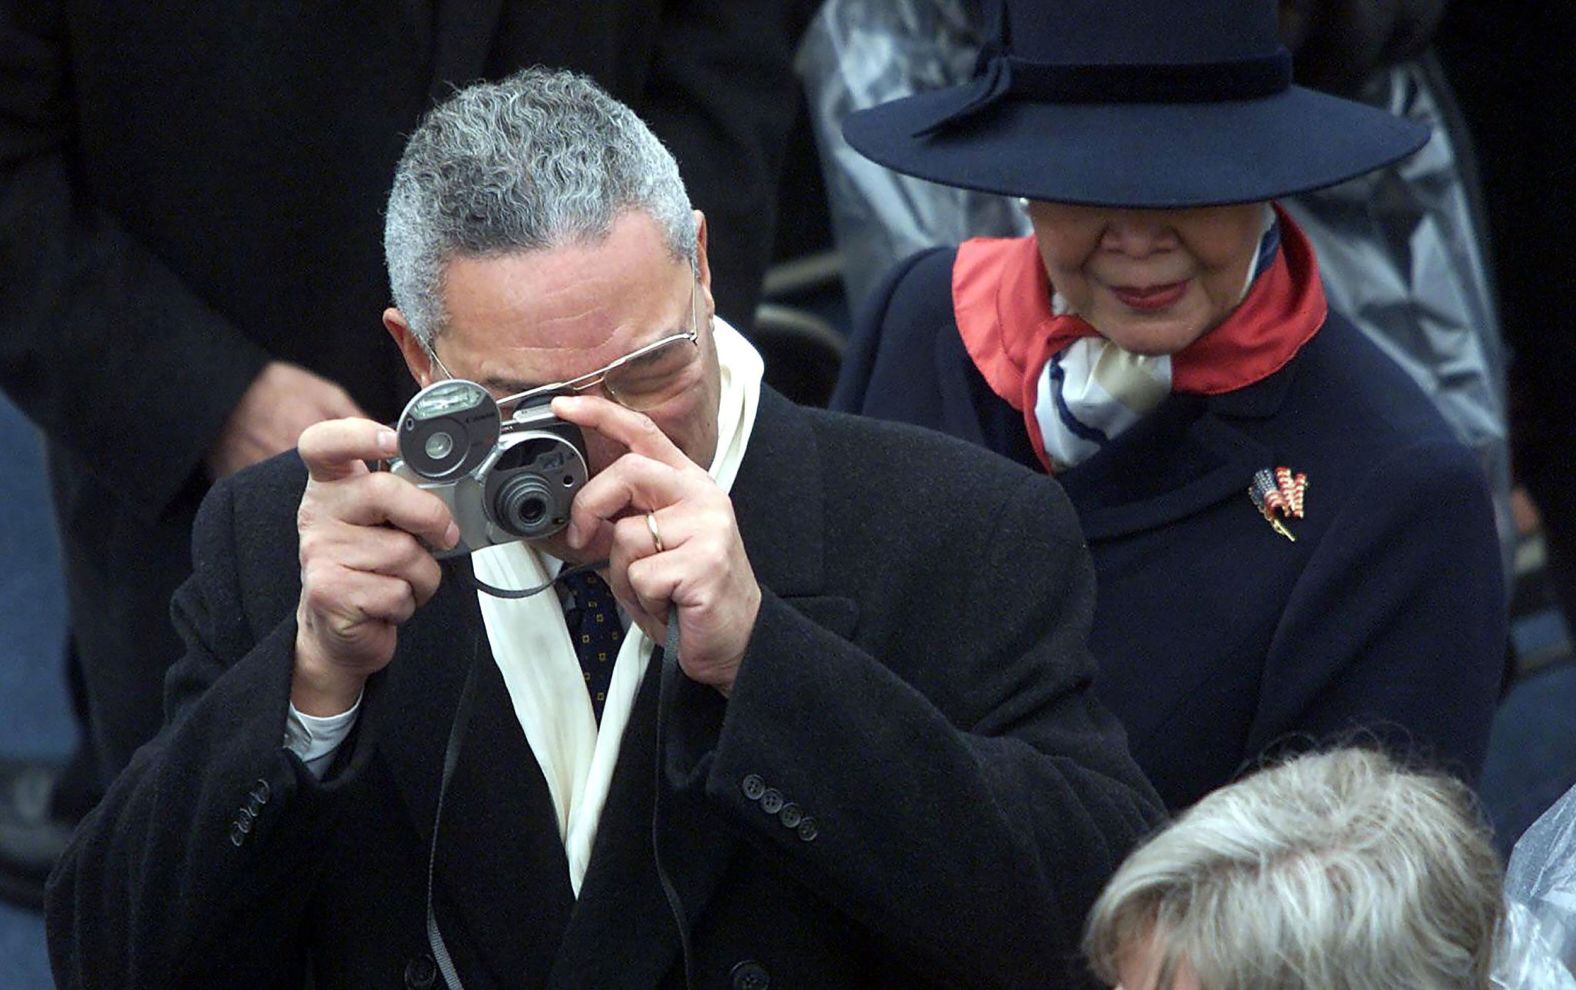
<point x="503" y="480"/>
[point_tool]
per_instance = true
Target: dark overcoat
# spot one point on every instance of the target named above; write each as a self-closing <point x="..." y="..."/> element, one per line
<point x="936" y="725"/>
<point x="1218" y="638"/>
<point x="189" y="190"/>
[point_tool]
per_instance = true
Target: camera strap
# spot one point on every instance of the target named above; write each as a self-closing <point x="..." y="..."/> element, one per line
<point x="451" y="755"/>
<point x="668" y="675"/>
<point x="518" y="593"/>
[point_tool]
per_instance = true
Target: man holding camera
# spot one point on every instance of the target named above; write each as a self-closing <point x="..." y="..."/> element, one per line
<point x="818" y="743"/>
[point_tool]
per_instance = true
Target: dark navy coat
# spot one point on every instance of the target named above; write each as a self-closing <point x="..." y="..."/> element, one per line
<point x="1218" y="638"/>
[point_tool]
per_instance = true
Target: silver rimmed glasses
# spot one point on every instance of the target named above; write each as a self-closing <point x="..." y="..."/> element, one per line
<point x="643" y="379"/>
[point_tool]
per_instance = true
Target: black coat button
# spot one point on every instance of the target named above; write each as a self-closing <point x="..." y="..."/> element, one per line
<point x="772" y="801"/>
<point x="750" y="975"/>
<point x="260" y="791"/>
<point x="236" y="836"/>
<point x="790" y="816"/>
<point x="753" y="787"/>
<point x="807" y="830"/>
<point x="421" y="973"/>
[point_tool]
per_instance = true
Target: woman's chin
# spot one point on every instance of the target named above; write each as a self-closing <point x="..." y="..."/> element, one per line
<point x="1150" y="337"/>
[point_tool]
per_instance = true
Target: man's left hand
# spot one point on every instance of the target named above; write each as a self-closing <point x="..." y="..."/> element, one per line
<point x="700" y="570"/>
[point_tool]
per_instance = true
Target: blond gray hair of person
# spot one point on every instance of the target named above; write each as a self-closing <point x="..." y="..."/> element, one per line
<point x="1331" y="871"/>
<point x="540" y="160"/>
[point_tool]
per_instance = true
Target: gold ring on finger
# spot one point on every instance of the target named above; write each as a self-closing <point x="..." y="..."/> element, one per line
<point x="651" y="525"/>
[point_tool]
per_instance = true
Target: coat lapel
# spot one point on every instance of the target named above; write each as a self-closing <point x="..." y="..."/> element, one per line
<point x="780" y="503"/>
<point x="777" y="500"/>
<point x="1190" y="453"/>
<point x="501" y="885"/>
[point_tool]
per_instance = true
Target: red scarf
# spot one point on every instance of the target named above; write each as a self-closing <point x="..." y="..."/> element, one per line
<point x="1002" y="299"/>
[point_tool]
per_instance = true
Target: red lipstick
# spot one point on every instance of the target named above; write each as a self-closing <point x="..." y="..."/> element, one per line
<point x="1152" y="297"/>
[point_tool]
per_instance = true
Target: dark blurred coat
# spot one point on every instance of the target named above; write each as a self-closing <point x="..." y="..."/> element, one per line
<point x="190" y="190"/>
<point x="1219" y="639"/>
<point x="1513" y="76"/>
<point x="1340" y="44"/>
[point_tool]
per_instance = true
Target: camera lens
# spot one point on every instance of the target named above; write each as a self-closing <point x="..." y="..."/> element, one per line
<point x="522" y="504"/>
<point x="531" y="509"/>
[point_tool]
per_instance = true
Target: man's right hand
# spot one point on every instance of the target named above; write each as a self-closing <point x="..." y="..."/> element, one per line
<point x="363" y="569"/>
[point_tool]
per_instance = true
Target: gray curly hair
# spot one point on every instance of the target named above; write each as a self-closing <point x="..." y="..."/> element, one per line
<point x="539" y="160"/>
<point x="1331" y="871"/>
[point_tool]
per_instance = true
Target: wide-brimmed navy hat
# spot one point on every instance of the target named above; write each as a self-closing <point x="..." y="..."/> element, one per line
<point x="1133" y="103"/>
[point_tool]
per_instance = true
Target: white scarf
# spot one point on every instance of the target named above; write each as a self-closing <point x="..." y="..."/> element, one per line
<point x="1091" y="391"/>
<point x="531" y="644"/>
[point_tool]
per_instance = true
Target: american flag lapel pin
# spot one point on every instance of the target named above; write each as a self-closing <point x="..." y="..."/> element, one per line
<point x="1278" y="491"/>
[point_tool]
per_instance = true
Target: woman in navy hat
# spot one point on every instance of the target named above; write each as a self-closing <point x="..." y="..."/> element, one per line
<point x="1290" y="544"/>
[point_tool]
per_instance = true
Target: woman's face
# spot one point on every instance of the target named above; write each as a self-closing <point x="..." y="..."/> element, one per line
<point x="1150" y="281"/>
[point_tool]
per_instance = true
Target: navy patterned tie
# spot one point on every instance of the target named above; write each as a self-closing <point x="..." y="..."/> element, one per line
<point x="592" y="619"/>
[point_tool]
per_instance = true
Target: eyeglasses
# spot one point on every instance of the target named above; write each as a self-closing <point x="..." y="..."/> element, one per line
<point x="643" y="379"/>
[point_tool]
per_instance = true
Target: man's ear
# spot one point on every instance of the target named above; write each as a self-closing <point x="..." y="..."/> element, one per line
<point x="703" y="266"/>
<point x="417" y="358"/>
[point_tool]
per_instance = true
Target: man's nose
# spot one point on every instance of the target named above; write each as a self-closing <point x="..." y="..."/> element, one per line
<point x="1138" y="234"/>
